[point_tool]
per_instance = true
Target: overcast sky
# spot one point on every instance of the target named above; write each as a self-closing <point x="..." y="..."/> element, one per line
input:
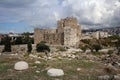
<point x="24" y="15"/>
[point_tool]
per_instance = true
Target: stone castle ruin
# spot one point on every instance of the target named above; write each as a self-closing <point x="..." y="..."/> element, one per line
<point x="68" y="33"/>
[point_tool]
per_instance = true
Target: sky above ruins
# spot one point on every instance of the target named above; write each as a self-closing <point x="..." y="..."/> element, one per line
<point x="24" y="15"/>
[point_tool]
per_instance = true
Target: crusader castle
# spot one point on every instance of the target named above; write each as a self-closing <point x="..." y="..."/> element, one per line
<point x="68" y="33"/>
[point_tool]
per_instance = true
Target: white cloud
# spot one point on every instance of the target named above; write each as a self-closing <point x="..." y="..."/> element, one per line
<point x="44" y="13"/>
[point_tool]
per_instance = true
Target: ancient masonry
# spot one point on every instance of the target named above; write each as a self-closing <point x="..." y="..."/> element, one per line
<point x="68" y="33"/>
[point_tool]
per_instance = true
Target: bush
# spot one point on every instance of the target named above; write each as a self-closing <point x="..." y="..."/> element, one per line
<point x="7" y="44"/>
<point x="97" y="47"/>
<point x="96" y="53"/>
<point x="42" y="47"/>
<point x="43" y="42"/>
<point x="62" y="49"/>
<point x="110" y="52"/>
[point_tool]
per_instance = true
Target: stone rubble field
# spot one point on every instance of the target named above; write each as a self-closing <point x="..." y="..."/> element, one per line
<point x="72" y="64"/>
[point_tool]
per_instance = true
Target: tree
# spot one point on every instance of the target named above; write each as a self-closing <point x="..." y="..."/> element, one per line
<point x="97" y="47"/>
<point x="18" y="40"/>
<point x="29" y="46"/>
<point x="2" y="41"/>
<point x="42" y="47"/>
<point x="26" y="37"/>
<point x="7" y="47"/>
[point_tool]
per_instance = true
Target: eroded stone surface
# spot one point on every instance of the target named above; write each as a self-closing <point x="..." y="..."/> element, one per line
<point x="55" y="72"/>
<point x="21" y="65"/>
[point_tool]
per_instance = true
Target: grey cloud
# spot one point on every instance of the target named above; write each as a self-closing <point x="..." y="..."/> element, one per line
<point x="116" y="18"/>
<point x="45" y="13"/>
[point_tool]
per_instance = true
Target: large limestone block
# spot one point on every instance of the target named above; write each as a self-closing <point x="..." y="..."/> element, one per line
<point x="21" y="65"/>
<point x="55" y="72"/>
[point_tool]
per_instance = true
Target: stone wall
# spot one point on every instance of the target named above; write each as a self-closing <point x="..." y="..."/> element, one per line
<point x="69" y="21"/>
<point x="55" y="38"/>
<point x="39" y="34"/>
<point x="68" y="33"/>
<point x="19" y="48"/>
<point x="70" y="37"/>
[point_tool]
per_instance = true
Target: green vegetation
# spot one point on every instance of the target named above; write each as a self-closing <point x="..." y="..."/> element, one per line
<point x="29" y="46"/>
<point x="42" y="47"/>
<point x="86" y="41"/>
<point x="92" y="44"/>
<point x="109" y="42"/>
<point x="43" y="42"/>
<point x="96" y="53"/>
<point x="84" y="48"/>
<point x="97" y="47"/>
<point x="110" y="52"/>
<point x="69" y="66"/>
<point x="61" y="49"/>
<point x="7" y="44"/>
<point x="23" y="39"/>
<point x="18" y="40"/>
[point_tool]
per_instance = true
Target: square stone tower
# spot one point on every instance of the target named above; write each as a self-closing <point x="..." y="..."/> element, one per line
<point x="68" y="33"/>
<point x="71" y="30"/>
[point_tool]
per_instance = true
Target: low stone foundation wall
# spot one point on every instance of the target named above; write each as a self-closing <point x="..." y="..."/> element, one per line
<point x="19" y="48"/>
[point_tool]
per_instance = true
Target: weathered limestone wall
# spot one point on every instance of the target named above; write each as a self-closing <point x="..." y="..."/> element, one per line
<point x="68" y="33"/>
<point x="70" y="37"/>
<point x="71" y="30"/>
<point x="55" y="39"/>
<point x="69" y="21"/>
<point x="39" y="34"/>
<point x="19" y="48"/>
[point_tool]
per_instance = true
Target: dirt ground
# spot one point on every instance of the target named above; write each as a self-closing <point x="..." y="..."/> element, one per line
<point x="74" y="68"/>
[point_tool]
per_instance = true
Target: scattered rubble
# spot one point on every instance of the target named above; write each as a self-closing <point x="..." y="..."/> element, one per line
<point x="112" y="59"/>
<point x="117" y="77"/>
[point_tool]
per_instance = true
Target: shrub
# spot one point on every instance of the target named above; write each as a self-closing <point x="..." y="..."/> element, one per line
<point x="42" y="47"/>
<point x="110" y="52"/>
<point x="97" y="47"/>
<point x="62" y="49"/>
<point x="96" y="53"/>
<point x="43" y="42"/>
<point x="7" y="44"/>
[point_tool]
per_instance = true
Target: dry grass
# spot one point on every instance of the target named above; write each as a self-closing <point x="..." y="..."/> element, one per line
<point x="89" y="70"/>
